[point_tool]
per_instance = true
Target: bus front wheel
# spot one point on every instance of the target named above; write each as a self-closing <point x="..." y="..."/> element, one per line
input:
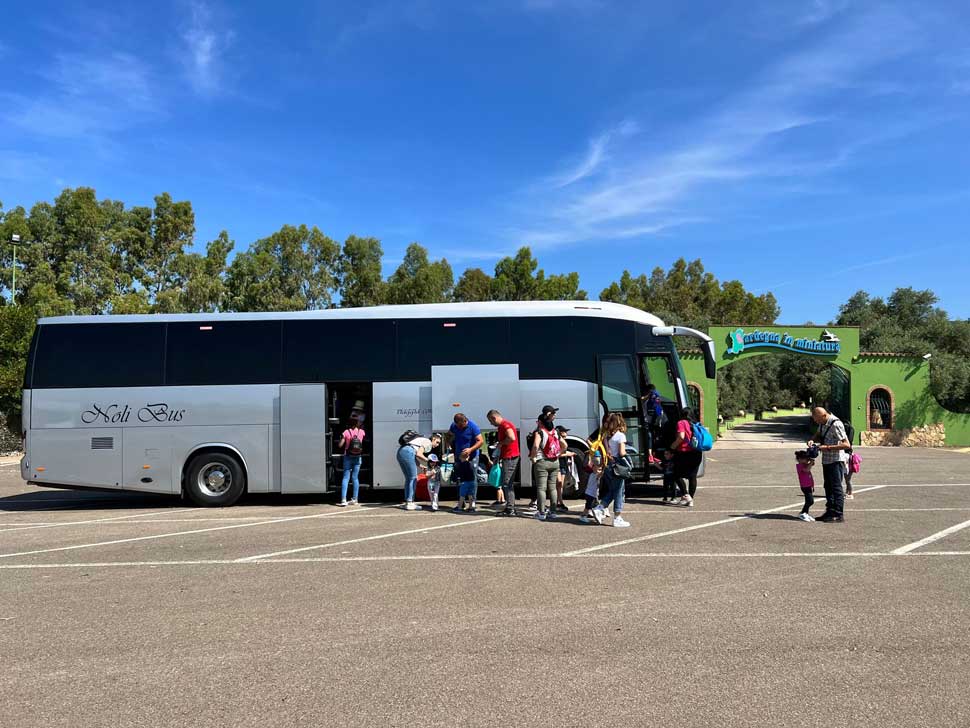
<point x="214" y="480"/>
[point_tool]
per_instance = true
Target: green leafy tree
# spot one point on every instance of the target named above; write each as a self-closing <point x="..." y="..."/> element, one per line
<point x="361" y="275"/>
<point x="291" y="270"/>
<point x="519" y="278"/>
<point x="16" y="329"/>
<point x="474" y="285"/>
<point x="687" y="294"/>
<point x="910" y="322"/>
<point x="152" y="248"/>
<point x="417" y="280"/>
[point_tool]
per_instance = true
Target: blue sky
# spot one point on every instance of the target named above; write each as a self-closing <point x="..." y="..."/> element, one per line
<point x="808" y="148"/>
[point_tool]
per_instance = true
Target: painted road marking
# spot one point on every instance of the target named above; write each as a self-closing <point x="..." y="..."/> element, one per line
<point x="659" y="511"/>
<point x="367" y="538"/>
<point x="931" y="539"/>
<point x="484" y="557"/>
<point x="27" y="527"/>
<point x="179" y="533"/>
<point x="674" y="532"/>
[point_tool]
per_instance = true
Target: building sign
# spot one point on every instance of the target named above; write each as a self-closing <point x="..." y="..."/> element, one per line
<point x="826" y="345"/>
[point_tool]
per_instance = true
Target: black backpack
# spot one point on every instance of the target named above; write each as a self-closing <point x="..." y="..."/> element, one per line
<point x="406" y="437"/>
<point x="356" y="446"/>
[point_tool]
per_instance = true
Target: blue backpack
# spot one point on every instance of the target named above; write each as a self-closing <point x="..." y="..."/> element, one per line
<point x="702" y="439"/>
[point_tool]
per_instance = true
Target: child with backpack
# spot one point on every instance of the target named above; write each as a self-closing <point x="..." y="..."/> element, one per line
<point x="852" y="466"/>
<point x="352" y="442"/>
<point x="803" y="466"/>
<point x="595" y="465"/>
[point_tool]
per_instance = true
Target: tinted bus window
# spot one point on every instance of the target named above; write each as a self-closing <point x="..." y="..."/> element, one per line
<point x="99" y="355"/>
<point x="422" y="343"/>
<point x="223" y="352"/>
<point x="346" y="350"/>
<point x="566" y="348"/>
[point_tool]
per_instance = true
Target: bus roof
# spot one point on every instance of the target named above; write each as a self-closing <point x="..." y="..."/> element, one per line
<point x="600" y="309"/>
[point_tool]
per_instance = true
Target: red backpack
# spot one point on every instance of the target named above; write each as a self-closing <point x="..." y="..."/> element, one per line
<point x="549" y="443"/>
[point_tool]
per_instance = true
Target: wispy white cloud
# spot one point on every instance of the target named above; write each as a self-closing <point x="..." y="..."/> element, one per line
<point x="384" y="16"/>
<point x="596" y="154"/>
<point x="629" y="187"/>
<point x="204" y="43"/>
<point x="820" y="11"/>
<point x="86" y="95"/>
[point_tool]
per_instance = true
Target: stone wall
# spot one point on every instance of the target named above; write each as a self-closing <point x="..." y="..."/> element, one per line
<point x="923" y="436"/>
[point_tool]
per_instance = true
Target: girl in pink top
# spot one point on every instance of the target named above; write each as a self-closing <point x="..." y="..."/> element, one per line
<point x="803" y="466"/>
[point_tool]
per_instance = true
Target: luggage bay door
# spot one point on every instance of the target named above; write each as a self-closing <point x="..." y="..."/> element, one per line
<point x="303" y="438"/>
<point x="474" y="390"/>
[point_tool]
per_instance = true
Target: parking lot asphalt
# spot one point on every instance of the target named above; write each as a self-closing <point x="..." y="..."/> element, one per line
<point x="126" y="609"/>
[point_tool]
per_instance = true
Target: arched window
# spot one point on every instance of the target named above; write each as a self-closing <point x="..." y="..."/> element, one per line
<point x="880" y="408"/>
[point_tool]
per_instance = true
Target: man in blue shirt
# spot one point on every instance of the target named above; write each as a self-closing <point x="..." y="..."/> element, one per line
<point x="466" y="438"/>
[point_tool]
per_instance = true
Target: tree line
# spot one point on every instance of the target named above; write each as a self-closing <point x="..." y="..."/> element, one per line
<point x="89" y="256"/>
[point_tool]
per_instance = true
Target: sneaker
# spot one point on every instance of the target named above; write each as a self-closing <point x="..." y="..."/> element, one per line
<point x="686" y="501"/>
<point x="539" y="516"/>
<point x="551" y="515"/>
<point x="533" y="505"/>
<point x="472" y="507"/>
<point x="342" y="504"/>
<point x="458" y="508"/>
<point x="412" y="506"/>
<point x="504" y="513"/>
<point x="825" y="518"/>
<point x="618" y="522"/>
<point x="562" y="508"/>
<point x="434" y="508"/>
<point x="353" y="502"/>
<point x="837" y="519"/>
<point x="599" y="514"/>
<point x="585" y="519"/>
<point x="805" y="517"/>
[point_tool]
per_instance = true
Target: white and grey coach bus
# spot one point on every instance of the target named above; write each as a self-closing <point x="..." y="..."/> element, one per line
<point x="215" y="405"/>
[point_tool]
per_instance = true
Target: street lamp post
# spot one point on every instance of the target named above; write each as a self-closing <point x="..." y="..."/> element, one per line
<point x="15" y="241"/>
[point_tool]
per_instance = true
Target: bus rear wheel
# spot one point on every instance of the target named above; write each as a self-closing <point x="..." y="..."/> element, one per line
<point x="214" y="480"/>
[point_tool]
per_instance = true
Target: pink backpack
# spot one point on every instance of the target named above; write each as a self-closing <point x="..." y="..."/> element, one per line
<point x="855" y="463"/>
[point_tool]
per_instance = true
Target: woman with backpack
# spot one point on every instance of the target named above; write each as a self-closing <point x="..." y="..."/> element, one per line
<point x="616" y="471"/>
<point x="687" y="460"/>
<point x="546" y="447"/>
<point x="352" y="442"/>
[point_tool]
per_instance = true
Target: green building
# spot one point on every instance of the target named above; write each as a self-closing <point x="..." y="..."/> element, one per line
<point x="886" y="396"/>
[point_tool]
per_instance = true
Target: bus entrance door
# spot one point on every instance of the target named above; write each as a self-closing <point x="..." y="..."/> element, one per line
<point x="303" y="437"/>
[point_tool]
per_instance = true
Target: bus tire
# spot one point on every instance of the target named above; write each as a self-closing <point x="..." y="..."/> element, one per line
<point x="214" y="480"/>
<point x="576" y="490"/>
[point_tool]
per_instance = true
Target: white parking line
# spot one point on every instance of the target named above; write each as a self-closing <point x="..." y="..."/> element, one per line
<point x="674" y="532"/>
<point x="366" y="538"/>
<point x="489" y="557"/>
<point x="29" y="526"/>
<point x="881" y="485"/>
<point x="931" y="539"/>
<point x="178" y="533"/>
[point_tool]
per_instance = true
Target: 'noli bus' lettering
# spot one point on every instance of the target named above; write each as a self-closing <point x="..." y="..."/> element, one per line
<point x="118" y="414"/>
